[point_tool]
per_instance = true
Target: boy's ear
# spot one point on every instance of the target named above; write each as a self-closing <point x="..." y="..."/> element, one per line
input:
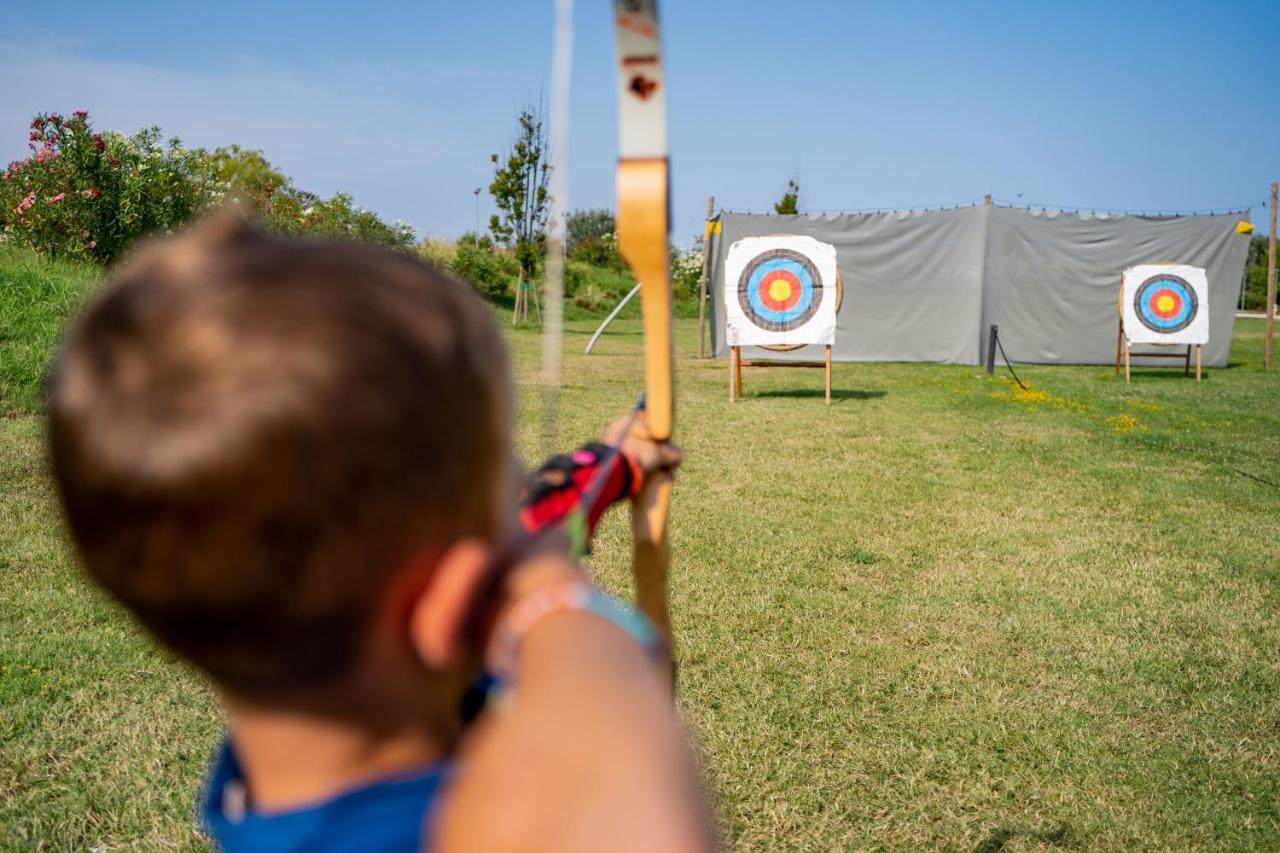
<point x="437" y="619"/>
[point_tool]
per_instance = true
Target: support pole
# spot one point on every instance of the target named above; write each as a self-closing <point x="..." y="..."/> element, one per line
<point x="991" y="349"/>
<point x="702" y="286"/>
<point x="626" y="300"/>
<point x="1270" y="307"/>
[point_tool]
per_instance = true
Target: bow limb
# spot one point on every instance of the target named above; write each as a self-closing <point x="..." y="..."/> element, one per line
<point x="643" y="224"/>
<point x="642" y="239"/>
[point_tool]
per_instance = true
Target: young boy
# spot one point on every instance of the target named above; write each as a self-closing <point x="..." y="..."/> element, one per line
<point x="292" y="462"/>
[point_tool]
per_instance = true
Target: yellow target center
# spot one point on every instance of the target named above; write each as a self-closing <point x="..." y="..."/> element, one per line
<point x="1165" y="303"/>
<point x="779" y="290"/>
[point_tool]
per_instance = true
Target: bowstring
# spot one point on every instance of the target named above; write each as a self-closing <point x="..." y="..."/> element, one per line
<point x="558" y="163"/>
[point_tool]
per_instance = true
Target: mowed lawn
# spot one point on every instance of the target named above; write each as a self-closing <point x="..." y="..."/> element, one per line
<point x="941" y="612"/>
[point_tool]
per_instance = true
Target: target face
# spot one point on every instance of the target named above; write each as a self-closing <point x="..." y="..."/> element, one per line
<point x="1166" y="303"/>
<point x="780" y="290"/>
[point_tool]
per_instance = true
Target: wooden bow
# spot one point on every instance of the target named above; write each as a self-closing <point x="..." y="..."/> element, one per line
<point x="643" y="225"/>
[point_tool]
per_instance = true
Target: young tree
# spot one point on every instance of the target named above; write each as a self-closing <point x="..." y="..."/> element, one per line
<point x="790" y="201"/>
<point x="519" y="191"/>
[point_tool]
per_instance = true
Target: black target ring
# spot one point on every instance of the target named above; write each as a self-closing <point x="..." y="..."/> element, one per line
<point x="803" y="269"/>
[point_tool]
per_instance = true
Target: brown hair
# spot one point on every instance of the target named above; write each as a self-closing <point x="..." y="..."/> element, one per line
<point x="252" y="434"/>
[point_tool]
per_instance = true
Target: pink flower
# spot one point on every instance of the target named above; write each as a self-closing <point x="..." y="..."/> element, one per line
<point x="93" y="244"/>
<point x="57" y="198"/>
<point x="81" y="113"/>
<point x="84" y="234"/>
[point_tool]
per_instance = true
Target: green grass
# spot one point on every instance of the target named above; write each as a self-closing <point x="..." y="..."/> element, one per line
<point x="36" y="297"/>
<point x="939" y="613"/>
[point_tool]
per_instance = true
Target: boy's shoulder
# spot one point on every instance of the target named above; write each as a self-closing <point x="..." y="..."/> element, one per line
<point x="388" y="814"/>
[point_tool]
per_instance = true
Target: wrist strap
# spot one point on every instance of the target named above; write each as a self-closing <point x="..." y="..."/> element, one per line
<point x="503" y="655"/>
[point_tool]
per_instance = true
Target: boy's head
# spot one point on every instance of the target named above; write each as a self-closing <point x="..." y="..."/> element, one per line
<point x="257" y="439"/>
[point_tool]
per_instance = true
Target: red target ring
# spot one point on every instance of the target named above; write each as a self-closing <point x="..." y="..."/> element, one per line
<point x="780" y="290"/>
<point x="1165" y="303"/>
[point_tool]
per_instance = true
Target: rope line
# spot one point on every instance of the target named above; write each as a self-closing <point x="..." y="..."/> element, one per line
<point x="1015" y="205"/>
<point x="1000" y="345"/>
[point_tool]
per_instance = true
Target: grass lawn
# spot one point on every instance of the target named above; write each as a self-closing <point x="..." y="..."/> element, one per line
<point x="941" y="612"/>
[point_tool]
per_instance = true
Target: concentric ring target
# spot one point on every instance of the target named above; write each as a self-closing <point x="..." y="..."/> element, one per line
<point x="1165" y="303"/>
<point x="780" y="290"/>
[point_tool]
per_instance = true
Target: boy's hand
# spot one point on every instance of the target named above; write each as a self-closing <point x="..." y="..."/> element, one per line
<point x="631" y="435"/>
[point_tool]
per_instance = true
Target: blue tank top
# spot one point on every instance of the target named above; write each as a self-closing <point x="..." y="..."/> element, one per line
<point x="388" y="814"/>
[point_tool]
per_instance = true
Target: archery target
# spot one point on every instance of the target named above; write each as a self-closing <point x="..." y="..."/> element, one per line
<point x="1166" y="304"/>
<point x="780" y="290"/>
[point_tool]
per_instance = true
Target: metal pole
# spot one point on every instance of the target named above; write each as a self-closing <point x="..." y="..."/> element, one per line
<point x="1270" y="307"/>
<point x="702" y="286"/>
<point x="614" y="313"/>
<point x="991" y="349"/>
<point x="478" y="214"/>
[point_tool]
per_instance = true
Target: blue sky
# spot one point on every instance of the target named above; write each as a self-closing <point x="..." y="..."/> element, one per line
<point x="1124" y="105"/>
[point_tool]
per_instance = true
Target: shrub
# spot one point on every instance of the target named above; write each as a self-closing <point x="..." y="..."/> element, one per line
<point x="594" y="288"/>
<point x="88" y="195"/>
<point x="686" y="272"/>
<point x="492" y="271"/>
<point x="441" y="253"/>
<point x="599" y="251"/>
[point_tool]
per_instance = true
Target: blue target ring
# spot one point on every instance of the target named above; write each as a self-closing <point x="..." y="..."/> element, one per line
<point x="780" y="290"/>
<point x="1165" y="303"/>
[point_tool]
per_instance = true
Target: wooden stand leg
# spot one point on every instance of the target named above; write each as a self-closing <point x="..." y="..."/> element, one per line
<point x="1127" y="357"/>
<point x="737" y="372"/>
<point x="1198" y="349"/>
<point x="828" y="374"/>
<point x="1119" y="343"/>
<point x="732" y="368"/>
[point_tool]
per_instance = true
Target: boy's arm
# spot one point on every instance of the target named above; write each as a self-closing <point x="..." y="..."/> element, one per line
<point x="588" y="755"/>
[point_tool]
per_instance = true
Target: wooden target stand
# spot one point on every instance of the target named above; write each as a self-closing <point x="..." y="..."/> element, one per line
<point x="1124" y="347"/>
<point x="736" y="361"/>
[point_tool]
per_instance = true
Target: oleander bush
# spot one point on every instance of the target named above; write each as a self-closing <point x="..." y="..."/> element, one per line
<point x="90" y="195"/>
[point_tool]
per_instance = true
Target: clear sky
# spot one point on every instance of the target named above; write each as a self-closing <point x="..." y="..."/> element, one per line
<point x="1126" y="105"/>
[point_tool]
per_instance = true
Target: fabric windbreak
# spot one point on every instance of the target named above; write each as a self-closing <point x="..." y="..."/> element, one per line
<point x="926" y="286"/>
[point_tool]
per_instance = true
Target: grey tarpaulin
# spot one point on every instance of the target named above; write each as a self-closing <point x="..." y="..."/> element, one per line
<point x="925" y="285"/>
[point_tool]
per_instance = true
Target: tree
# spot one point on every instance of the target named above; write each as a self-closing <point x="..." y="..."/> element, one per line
<point x="583" y="225"/>
<point x="790" y="201"/>
<point x="1255" y="274"/>
<point x="519" y="191"/>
